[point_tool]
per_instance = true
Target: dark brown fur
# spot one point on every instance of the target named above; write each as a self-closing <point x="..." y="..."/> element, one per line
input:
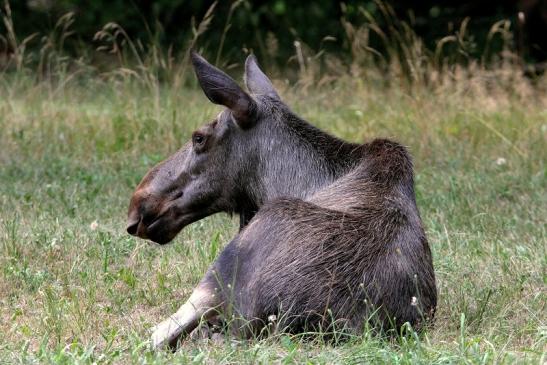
<point x="354" y="248"/>
<point x="330" y="231"/>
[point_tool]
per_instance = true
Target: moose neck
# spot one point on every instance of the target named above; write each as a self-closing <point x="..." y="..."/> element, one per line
<point x="296" y="159"/>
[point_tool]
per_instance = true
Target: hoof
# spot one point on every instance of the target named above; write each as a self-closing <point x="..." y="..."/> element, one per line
<point x="208" y="331"/>
<point x="165" y="335"/>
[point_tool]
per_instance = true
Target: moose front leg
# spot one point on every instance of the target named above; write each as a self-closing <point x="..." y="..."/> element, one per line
<point x="202" y="305"/>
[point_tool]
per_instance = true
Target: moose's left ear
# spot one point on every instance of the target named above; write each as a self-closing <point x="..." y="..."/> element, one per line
<point x="223" y="90"/>
<point x="257" y="82"/>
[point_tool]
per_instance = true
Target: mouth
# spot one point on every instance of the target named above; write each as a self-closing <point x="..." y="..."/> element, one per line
<point x="162" y="232"/>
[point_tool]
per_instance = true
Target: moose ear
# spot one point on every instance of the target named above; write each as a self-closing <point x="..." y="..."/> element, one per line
<point x="221" y="89"/>
<point x="257" y="82"/>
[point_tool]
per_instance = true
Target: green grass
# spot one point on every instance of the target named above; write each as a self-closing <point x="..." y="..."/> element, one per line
<point x="75" y="288"/>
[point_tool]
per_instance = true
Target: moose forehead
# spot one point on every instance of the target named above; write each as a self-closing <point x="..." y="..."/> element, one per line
<point x="169" y="169"/>
<point x="222" y="121"/>
<point x="161" y="175"/>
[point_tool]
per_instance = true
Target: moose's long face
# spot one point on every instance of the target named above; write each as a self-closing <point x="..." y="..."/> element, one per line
<point x="200" y="179"/>
<point x="185" y="187"/>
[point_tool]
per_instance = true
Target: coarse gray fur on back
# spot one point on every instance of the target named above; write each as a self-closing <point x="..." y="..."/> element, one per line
<point x="330" y="234"/>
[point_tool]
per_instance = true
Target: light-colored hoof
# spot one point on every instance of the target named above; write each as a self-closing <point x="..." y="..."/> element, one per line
<point x="200" y="333"/>
<point x="165" y="334"/>
<point x="207" y="331"/>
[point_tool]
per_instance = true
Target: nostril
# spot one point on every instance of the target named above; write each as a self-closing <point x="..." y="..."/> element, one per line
<point x="132" y="228"/>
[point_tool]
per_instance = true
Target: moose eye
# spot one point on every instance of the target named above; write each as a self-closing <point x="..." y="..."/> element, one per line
<point x="198" y="139"/>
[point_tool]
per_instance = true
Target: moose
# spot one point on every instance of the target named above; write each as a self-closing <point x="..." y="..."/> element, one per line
<point x="330" y="235"/>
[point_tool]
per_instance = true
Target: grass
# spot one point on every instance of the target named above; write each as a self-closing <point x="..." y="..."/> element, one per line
<point x="75" y="288"/>
<point x="74" y="143"/>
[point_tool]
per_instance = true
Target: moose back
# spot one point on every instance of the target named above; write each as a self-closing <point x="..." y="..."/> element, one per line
<point x="330" y="236"/>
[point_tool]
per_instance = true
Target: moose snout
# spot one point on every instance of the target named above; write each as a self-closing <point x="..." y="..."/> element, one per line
<point x="142" y="213"/>
<point x="146" y="217"/>
<point x="133" y="226"/>
<point x="137" y="227"/>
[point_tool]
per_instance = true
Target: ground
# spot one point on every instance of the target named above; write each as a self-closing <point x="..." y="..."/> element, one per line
<point x="76" y="288"/>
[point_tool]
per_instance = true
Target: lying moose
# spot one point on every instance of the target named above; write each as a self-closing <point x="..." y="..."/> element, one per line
<point x="329" y="230"/>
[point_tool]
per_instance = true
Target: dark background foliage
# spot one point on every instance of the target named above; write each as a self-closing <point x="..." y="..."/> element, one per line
<point x="168" y="22"/>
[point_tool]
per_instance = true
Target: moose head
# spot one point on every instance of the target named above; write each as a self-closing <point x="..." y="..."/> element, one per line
<point x="256" y="149"/>
<point x="193" y="183"/>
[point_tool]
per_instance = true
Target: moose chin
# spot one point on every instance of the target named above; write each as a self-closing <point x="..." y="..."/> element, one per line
<point x="330" y="235"/>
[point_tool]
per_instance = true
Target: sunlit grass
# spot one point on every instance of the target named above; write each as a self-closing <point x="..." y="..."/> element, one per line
<point x="76" y="287"/>
<point x="75" y="139"/>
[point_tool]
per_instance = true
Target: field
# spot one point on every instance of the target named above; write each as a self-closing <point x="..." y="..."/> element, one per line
<point x="76" y="288"/>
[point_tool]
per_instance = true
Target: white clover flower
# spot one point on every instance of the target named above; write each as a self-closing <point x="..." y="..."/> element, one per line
<point x="272" y="318"/>
<point x="501" y="161"/>
<point x="414" y="301"/>
<point x="94" y="225"/>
